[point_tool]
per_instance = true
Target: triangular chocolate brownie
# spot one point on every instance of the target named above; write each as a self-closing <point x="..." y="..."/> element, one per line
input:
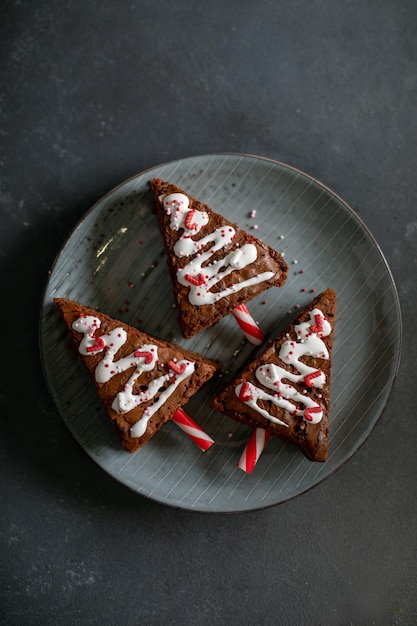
<point x="286" y="390"/>
<point x="141" y="380"/>
<point x="214" y="265"/>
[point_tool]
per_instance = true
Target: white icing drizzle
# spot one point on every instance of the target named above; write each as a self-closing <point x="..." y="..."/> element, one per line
<point x="143" y="359"/>
<point x="139" y="428"/>
<point x="271" y="376"/>
<point x="254" y="394"/>
<point x="201" y="278"/>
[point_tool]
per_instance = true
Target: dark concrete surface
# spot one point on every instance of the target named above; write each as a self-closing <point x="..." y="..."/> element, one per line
<point x="92" y="92"/>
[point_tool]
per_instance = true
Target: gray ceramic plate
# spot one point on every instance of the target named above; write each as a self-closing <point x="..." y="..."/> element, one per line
<point x="114" y="260"/>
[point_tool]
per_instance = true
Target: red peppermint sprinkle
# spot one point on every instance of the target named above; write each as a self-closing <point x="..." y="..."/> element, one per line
<point x="145" y="354"/>
<point x="318" y="328"/>
<point x="245" y="394"/>
<point x="97" y="346"/>
<point x="309" y="411"/>
<point x="189" y="220"/>
<point x="309" y="377"/>
<point x="200" y="280"/>
<point x="178" y="369"/>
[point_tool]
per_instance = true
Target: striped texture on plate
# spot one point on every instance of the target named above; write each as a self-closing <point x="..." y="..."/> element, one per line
<point x="114" y="260"/>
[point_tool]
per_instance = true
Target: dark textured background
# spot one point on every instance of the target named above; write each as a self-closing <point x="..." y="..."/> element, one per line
<point x="94" y="92"/>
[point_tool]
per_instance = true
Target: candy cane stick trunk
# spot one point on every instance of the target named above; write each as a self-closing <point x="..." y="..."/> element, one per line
<point x="193" y="430"/>
<point x="248" y="325"/>
<point x="253" y="450"/>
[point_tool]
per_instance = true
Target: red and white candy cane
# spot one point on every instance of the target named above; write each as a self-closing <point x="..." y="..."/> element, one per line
<point x="253" y="450"/>
<point x="193" y="430"/>
<point x="248" y="325"/>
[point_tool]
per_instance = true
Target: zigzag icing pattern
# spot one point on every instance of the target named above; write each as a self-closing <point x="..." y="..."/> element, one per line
<point x="143" y="359"/>
<point x="197" y="274"/>
<point x="309" y="343"/>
